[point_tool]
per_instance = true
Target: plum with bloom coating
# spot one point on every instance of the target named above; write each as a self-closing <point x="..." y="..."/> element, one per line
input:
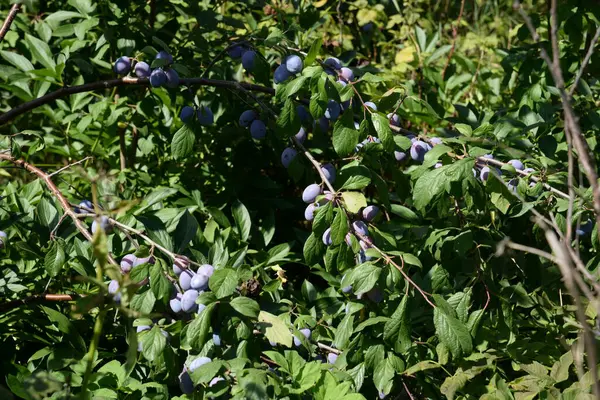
<point x="306" y="332"/>
<point x="301" y="135"/>
<point x="287" y="156"/>
<point x="371" y="105"/>
<point x="333" y="62"/>
<point x="258" y="129"/>
<point x="311" y="192"/>
<point x="85" y="206"/>
<point x="163" y="55"/>
<point x="158" y="78"/>
<point x="303" y="114"/>
<point x="281" y="74"/>
<point x="198" y="362"/>
<point x="418" y="150"/>
<point x="394" y="119"/>
<point x="309" y="212"/>
<point x="122" y="65"/>
<point x="293" y="64"/>
<point x="329" y="172"/>
<point x="332" y="112"/>
<point x="517" y="164"/>
<point x="249" y="60"/>
<point x="104" y="224"/>
<point x="327" y="237"/>
<point x="400" y="155"/>
<point x="199" y="282"/>
<point x="186" y="113"/>
<point x="347" y="74"/>
<point x="188" y="300"/>
<point x="3" y="239"/>
<point x="185" y="279"/>
<point x="360" y="227"/>
<point x="247" y="117"/>
<point x="332" y="358"/>
<point x="175" y="303"/>
<point x="370" y="212"/>
<point x="205" y="116"/>
<point x="172" y="78"/>
<point x="142" y="70"/>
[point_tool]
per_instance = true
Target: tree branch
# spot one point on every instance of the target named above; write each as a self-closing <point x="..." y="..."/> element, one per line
<point x="37" y="298"/>
<point x="585" y="62"/>
<point x="9" y="20"/>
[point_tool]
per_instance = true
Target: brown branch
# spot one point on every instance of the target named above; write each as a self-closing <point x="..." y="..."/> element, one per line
<point x="127" y="81"/>
<point x="37" y="298"/>
<point x="56" y="192"/>
<point x="122" y="150"/>
<point x="9" y="20"/>
<point x="454" y="37"/>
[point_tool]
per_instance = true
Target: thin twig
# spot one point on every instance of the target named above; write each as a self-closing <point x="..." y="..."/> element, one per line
<point x="37" y="298"/>
<point x="328" y="348"/>
<point x="9" y="20"/>
<point x="585" y="62"/>
<point x="68" y="166"/>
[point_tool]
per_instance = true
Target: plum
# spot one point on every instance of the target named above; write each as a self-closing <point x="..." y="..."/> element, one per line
<point x="84" y="207"/>
<point x="418" y="150"/>
<point x="206" y="269"/>
<point x="400" y="155"/>
<point x="332" y="358"/>
<point x="333" y="62"/>
<point x="327" y="237"/>
<point x="188" y="300"/>
<point x="247" y="117"/>
<point x="311" y="192"/>
<point x="201" y="307"/>
<point x="329" y="172"/>
<point x="249" y="60"/>
<point x="185" y="383"/>
<point x="215" y="380"/>
<point x="370" y="212"/>
<point x="342" y="83"/>
<point x="3" y="239"/>
<point x="529" y="170"/>
<point x="332" y="112"/>
<point x="281" y="74"/>
<point x="141" y="328"/>
<point x="360" y="227"/>
<point x="368" y="27"/>
<point x="158" y="77"/>
<point x="144" y="260"/>
<point x="301" y="135"/>
<point x="306" y="332"/>
<point x="175" y="303"/>
<point x="180" y="264"/>
<point x="371" y="105"/>
<point x="258" y="129"/>
<point x="205" y="116"/>
<point x="236" y="51"/>
<point x="516" y="164"/>
<point x="435" y="140"/>
<point x="375" y="295"/>
<point x="585" y="228"/>
<point x="199" y="282"/>
<point x="216" y="339"/>
<point x="113" y="287"/>
<point x="198" y="362"/>
<point x="323" y="124"/>
<point x="186" y="113"/>
<point x="347" y="74"/>
<point x="512" y="185"/>
<point x="128" y="262"/>
<point x="394" y="119"/>
<point x="287" y="156"/>
<point x="185" y="279"/>
<point x="163" y="55"/>
<point x="309" y="212"/>
<point x="172" y="78"/>
<point x="104" y="224"/>
<point x="484" y="173"/>
<point x="438" y="165"/>
<point x="382" y="395"/>
<point x="142" y="70"/>
<point x="293" y="64"/>
<point x="122" y="65"/>
<point x="303" y="114"/>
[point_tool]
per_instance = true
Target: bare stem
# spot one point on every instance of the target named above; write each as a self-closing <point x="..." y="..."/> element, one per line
<point x="9" y="20"/>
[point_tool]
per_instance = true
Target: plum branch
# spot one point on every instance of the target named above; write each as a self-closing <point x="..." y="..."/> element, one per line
<point x="9" y="20"/>
<point x="37" y="298"/>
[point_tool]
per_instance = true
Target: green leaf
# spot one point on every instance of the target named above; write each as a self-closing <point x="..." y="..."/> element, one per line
<point x="182" y="144"/>
<point x="47" y="213"/>
<point x="197" y="331"/>
<point x="143" y="302"/>
<point x="160" y="285"/>
<point x="223" y="282"/>
<point x="453" y="333"/>
<point x="344" y="331"/>
<point x="186" y="231"/>
<point x="421" y="366"/>
<point x="364" y="277"/>
<point x="315" y="47"/>
<point x="206" y="372"/>
<point x="17" y="60"/>
<point x="560" y="369"/>
<point x="383" y="375"/>
<point x="41" y="51"/>
<point x="382" y="127"/>
<point x="397" y="330"/>
<point x="55" y="258"/>
<point x="275" y="329"/>
<point x="245" y="306"/>
<point x="345" y="136"/>
<point x="354" y="201"/>
<point x="339" y="227"/>
<point x="288" y="120"/>
<point x="437" y="181"/>
<point x="355" y="177"/>
<point x="313" y="249"/>
<point x="242" y="219"/>
<point x="153" y="343"/>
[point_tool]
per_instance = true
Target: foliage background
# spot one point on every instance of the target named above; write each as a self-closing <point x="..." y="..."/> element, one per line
<point x="216" y="195"/>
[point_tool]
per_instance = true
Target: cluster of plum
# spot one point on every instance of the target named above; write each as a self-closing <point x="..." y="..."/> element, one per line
<point x="128" y="262"/>
<point x="243" y="51"/>
<point x="482" y="171"/>
<point x="161" y="76"/>
<point x="203" y="113"/>
<point x="185" y="381"/>
<point x="249" y="119"/>
<point x="291" y="66"/>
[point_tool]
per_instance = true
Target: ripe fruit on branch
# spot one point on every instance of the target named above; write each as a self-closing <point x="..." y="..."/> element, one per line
<point x="247" y="117"/>
<point x="104" y="224"/>
<point x="301" y="135"/>
<point x="360" y="227"/>
<point x="3" y="239"/>
<point x="205" y="116"/>
<point x="249" y="60"/>
<point x="329" y="172"/>
<point x="311" y="192"/>
<point x="122" y="65"/>
<point x="188" y="300"/>
<point x="85" y="206"/>
<point x="281" y="74"/>
<point x="185" y="279"/>
<point x="287" y="156"/>
<point x="370" y="212"/>
<point x="293" y="64"/>
<point x="158" y="77"/>
<point x="333" y="63"/>
<point x="186" y="113"/>
<point x="172" y="78"/>
<point x="309" y="212"/>
<point x="142" y="70"/>
<point x="517" y="164"/>
<point x="258" y="129"/>
<point x="347" y="74"/>
<point x="163" y="55"/>
<point x="306" y="332"/>
<point x="332" y="112"/>
<point x="418" y="150"/>
<point x="371" y="105"/>
<point x="327" y="237"/>
<point x="394" y="119"/>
